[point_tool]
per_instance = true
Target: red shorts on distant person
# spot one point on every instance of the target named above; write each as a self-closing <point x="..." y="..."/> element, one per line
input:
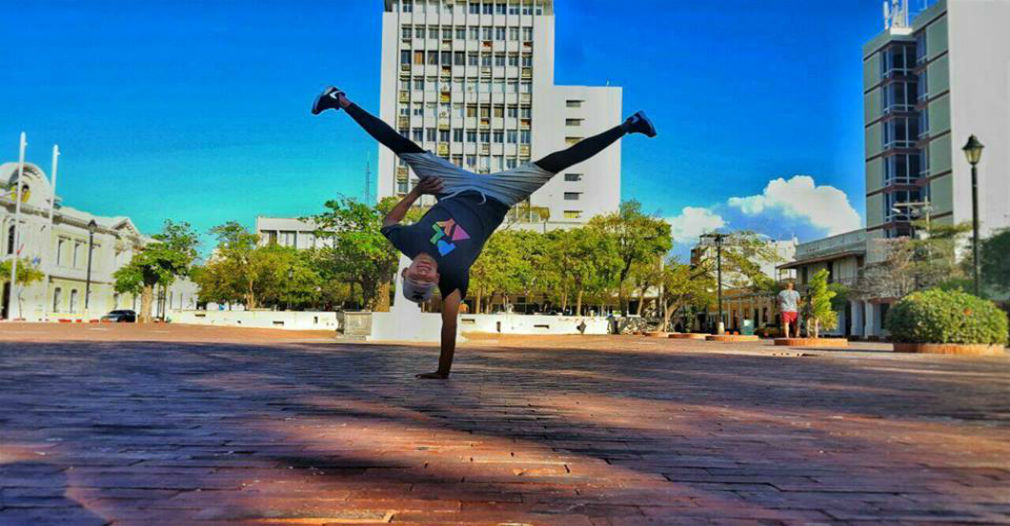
<point x="789" y="317"/>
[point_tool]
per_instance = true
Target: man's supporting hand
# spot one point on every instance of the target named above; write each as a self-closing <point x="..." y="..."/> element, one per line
<point x="429" y="186"/>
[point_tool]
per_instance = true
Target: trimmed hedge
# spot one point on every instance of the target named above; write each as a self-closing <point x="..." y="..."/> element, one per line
<point x="946" y="316"/>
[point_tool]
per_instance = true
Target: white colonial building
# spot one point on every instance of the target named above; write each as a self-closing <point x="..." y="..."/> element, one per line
<point x="60" y="250"/>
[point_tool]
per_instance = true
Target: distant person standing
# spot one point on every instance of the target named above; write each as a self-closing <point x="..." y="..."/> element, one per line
<point x="789" y="303"/>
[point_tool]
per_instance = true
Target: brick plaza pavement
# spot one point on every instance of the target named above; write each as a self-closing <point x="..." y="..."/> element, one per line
<point x="203" y="425"/>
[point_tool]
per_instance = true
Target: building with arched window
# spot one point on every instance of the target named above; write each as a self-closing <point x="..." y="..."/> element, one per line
<point x="60" y="251"/>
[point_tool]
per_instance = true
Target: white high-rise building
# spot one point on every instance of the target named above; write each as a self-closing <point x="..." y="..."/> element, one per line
<point x="473" y="81"/>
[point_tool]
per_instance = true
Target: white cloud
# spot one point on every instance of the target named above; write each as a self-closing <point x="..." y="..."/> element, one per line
<point x="824" y="207"/>
<point x="692" y="222"/>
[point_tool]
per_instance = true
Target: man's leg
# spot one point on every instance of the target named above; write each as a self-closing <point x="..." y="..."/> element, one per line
<point x="590" y="146"/>
<point x="382" y="132"/>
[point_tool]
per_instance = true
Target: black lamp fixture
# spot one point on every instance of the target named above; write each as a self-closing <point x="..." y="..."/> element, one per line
<point x="973" y="153"/>
<point x="92" y="227"/>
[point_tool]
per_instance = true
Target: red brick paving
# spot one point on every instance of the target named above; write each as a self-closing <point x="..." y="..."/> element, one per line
<point x="208" y="425"/>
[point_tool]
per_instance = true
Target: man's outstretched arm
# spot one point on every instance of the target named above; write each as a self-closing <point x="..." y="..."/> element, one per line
<point x="428" y="185"/>
<point x="450" y="311"/>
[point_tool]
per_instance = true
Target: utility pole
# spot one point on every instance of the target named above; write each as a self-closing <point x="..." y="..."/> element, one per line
<point x="17" y="230"/>
<point x="718" y="239"/>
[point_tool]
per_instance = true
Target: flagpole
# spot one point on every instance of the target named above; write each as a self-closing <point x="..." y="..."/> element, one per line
<point x="49" y="250"/>
<point x="17" y="230"/>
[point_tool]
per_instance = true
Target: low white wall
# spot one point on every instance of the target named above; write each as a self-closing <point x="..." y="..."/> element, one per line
<point x="531" y="324"/>
<point x="293" y="320"/>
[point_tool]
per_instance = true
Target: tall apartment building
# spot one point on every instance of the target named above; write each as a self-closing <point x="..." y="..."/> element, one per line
<point x="473" y="81"/>
<point x="928" y="84"/>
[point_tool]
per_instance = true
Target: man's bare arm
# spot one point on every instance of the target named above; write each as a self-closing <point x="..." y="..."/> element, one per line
<point x="428" y="185"/>
<point x="450" y="311"/>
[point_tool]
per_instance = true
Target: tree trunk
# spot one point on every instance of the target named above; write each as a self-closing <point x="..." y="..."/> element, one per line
<point x="382" y="303"/>
<point x="817" y="329"/>
<point x="564" y="298"/>
<point x="666" y="316"/>
<point x="146" y="298"/>
<point x="578" y="303"/>
<point x="641" y="299"/>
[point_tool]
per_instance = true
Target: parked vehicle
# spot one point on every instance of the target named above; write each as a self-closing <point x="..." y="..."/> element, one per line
<point x="121" y="316"/>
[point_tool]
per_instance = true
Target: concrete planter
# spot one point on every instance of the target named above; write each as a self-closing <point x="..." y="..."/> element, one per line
<point x="658" y="334"/>
<point x="688" y="336"/>
<point x="812" y="342"/>
<point x="978" y="349"/>
<point x="732" y="338"/>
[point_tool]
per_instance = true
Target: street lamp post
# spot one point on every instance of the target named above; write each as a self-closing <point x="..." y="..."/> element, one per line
<point x="92" y="226"/>
<point x="973" y="153"/>
<point x="717" y="239"/>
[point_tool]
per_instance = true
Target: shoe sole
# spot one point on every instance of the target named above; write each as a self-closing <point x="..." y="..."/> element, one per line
<point x="316" y="110"/>
<point x="651" y="131"/>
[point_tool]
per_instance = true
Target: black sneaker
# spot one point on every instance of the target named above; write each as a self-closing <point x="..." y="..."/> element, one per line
<point x="330" y="98"/>
<point x="639" y="123"/>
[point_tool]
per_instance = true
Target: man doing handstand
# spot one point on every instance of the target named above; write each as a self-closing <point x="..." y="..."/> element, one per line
<point x="444" y="244"/>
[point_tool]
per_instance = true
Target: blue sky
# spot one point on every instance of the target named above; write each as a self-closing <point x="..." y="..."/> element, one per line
<point x="199" y="111"/>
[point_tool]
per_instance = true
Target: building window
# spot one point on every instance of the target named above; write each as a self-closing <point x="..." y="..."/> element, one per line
<point x="921" y="50"/>
<point x="77" y="254"/>
<point x="525" y="87"/>
<point x="471" y="136"/>
<point x="499" y="137"/>
<point x="499" y="9"/>
<point x="59" y="251"/>
<point x="902" y="168"/>
<point x="458" y="58"/>
<point x="418" y="134"/>
<point x="10" y="240"/>
<point x="573" y="214"/>
<point x="894" y="201"/>
<point x="73" y="301"/>
<point x="485" y="136"/>
<point x="571" y="103"/>
<point x="457" y="135"/>
<point x="572" y="140"/>
<point x="443" y="135"/>
<point x="499" y="34"/>
<point x="446" y="58"/>
<point x="525" y="112"/>
<point x="510" y="163"/>
<point x="573" y="122"/>
<point x="527" y="34"/>
<point x="457" y="160"/>
<point x="924" y="162"/>
<point x="429" y="134"/>
<point x="513" y="8"/>
<point x="419" y="32"/>
<point x="512" y="136"/>
<point x="901" y="132"/>
<point x="405" y="57"/>
<point x="923" y="123"/>
<point x="419" y="57"/>
<point x="513" y="59"/>
<point x="572" y="196"/>
<point x="513" y="33"/>
<point x="460" y="33"/>
<point x="527" y="60"/>
<point x="433" y="32"/>
<point x="474" y="33"/>
<point x="513" y="111"/>
<point x="499" y="59"/>
<point x="56" y="299"/>
<point x="407" y="6"/>
<point x="899" y="96"/>
<point x="486" y="33"/>
<point x="897" y="59"/>
<point x="573" y="177"/>
<point x="485" y="59"/>
<point x="471" y="161"/>
<point x="433" y="58"/>
<point x="524" y="137"/>
<point x="487" y="9"/>
<point x="474" y="8"/>
<point x="287" y="238"/>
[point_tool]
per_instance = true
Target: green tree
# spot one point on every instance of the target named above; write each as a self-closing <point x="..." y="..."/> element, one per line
<point x="582" y="260"/>
<point x="639" y="237"/>
<point x="684" y="286"/>
<point x="26" y="275"/>
<point x="822" y="313"/>
<point x="169" y="257"/>
<point x="994" y="262"/>
<point x="359" y="253"/>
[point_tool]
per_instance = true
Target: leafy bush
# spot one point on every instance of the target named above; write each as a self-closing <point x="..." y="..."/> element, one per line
<point x="946" y="316"/>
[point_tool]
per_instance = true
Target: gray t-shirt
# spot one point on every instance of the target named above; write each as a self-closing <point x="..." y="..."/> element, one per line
<point x="789" y="300"/>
